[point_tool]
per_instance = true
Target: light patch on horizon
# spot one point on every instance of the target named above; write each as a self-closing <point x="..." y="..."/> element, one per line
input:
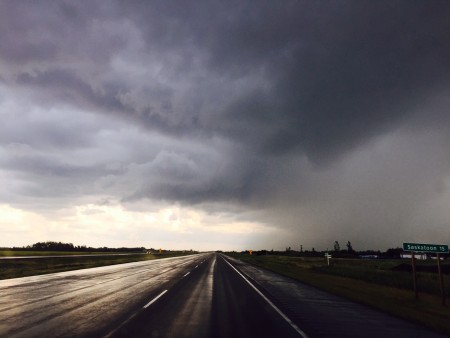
<point x="98" y="225"/>
<point x="19" y="226"/>
<point x="175" y="219"/>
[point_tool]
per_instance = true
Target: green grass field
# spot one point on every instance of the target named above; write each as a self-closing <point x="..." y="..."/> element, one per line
<point x="14" y="268"/>
<point x="377" y="283"/>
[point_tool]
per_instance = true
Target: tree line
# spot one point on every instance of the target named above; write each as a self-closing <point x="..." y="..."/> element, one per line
<point x="59" y="246"/>
<point x="349" y="252"/>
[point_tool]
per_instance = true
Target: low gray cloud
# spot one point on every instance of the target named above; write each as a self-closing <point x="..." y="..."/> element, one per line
<point x="262" y="105"/>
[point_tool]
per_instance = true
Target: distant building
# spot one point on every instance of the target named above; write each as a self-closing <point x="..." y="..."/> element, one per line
<point x="421" y="256"/>
<point x="368" y="256"/>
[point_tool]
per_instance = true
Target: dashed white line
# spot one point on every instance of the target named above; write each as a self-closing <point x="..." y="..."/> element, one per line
<point x="196" y="266"/>
<point x="155" y="299"/>
<point x="186" y="274"/>
<point x="295" y="327"/>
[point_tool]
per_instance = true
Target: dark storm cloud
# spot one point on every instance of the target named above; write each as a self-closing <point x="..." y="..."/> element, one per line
<point x="324" y="77"/>
<point x="247" y="102"/>
<point x="67" y="87"/>
<point x="347" y="72"/>
<point x="331" y="74"/>
<point x="49" y="32"/>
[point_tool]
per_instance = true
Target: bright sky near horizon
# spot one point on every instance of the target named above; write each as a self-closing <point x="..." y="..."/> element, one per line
<point x="225" y="125"/>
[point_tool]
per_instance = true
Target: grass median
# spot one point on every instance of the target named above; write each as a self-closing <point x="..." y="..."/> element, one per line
<point x="22" y="267"/>
<point x="383" y="284"/>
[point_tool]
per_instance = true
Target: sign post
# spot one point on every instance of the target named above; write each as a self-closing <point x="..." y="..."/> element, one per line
<point x="441" y="279"/>
<point x="429" y="248"/>
<point x="413" y="264"/>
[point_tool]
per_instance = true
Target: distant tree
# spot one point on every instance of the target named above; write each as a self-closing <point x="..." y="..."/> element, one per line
<point x="393" y="253"/>
<point x="53" y="246"/>
<point x="337" y="247"/>
<point x="349" y="247"/>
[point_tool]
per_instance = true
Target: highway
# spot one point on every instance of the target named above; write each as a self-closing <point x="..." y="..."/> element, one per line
<point x="204" y="295"/>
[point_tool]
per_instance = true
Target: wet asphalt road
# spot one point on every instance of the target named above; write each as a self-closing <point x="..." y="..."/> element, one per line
<point x="193" y="296"/>
<point x="214" y="302"/>
<point x="89" y="302"/>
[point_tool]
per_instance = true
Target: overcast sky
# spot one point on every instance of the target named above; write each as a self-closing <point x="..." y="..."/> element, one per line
<point x="225" y="124"/>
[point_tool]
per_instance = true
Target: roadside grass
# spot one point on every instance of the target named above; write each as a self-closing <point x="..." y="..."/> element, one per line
<point x="14" y="268"/>
<point x="372" y="282"/>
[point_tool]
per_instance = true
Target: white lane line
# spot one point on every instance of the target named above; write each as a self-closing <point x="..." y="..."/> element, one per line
<point x="186" y="274"/>
<point x="155" y="299"/>
<point x="196" y="267"/>
<point x="295" y="327"/>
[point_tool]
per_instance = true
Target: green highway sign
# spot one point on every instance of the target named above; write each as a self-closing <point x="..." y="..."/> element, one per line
<point x="418" y="247"/>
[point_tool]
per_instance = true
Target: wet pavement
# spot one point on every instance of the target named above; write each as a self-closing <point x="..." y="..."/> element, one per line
<point x="84" y="302"/>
